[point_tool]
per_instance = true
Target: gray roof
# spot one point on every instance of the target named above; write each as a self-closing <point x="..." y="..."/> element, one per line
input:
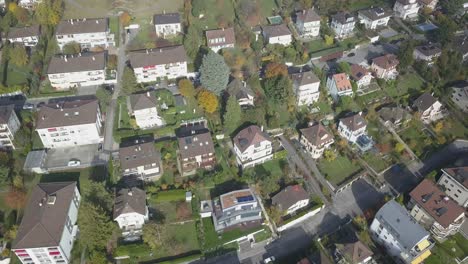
<point x="140" y="152"/>
<point x="68" y="113"/>
<point x="317" y="135"/>
<point x="343" y="18"/>
<point x="43" y="222"/>
<point x="424" y="102"/>
<point x="226" y="34"/>
<point x="308" y="15"/>
<point x="239" y="89"/>
<point x="375" y="13"/>
<point x="131" y="200"/>
<point x="276" y="30"/>
<point x="77" y="63"/>
<point x="169" y="18"/>
<point x="249" y="136"/>
<point x="162" y="56"/>
<point x="429" y="50"/>
<point x="142" y="101"/>
<point x="22" y="32"/>
<point x="289" y="196"/>
<point x="5" y="113"/>
<point x="304" y="78"/>
<point x="354" y="122"/>
<point x="34" y="159"/>
<point x="199" y="143"/>
<point x="400" y="224"/>
<point x="84" y="25"/>
<point x="393" y="114"/>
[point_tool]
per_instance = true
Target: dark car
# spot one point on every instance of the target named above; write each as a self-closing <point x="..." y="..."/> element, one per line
<point x="352" y="54"/>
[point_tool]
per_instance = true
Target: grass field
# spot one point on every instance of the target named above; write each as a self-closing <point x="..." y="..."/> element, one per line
<point x="218" y="12"/>
<point x="417" y="139"/>
<point x="213" y="239"/>
<point x="446" y="252"/>
<point x="376" y="162"/>
<point x="409" y="83"/>
<point x="338" y="170"/>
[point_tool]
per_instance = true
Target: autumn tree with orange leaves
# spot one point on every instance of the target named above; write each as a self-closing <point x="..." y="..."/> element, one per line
<point x="208" y="101"/>
<point x="274" y="69"/>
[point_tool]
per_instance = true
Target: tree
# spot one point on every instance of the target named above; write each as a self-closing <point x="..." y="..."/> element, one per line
<point x="274" y="69"/>
<point x="214" y="73"/>
<point x="129" y="82"/>
<point x="192" y="41"/>
<point x="153" y="235"/>
<point x="125" y="19"/>
<point x="233" y="115"/>
<point x="399" y="147"/>
<point x="344" y="67"/>
<point x="451" y="7"/>
<point x="186" y="88"/>
<point x="208" y="101"/>
<point x="329" y="40"/>
<point x="275" y="214"/>
<point x="19" y="56"/>
<point x="405" y="54"/>
<point x="329" y="155"/>
<point x="95" y="227"/>
<point x="49" y="12"/>
<point x="198" y="7"/>
<point x="71" y="48"/>
<point x="20" y="13"/>
<point x="278" y="89"/>
<point x="97" y="194"/>
<point x="15" y="198"/>
<point x="446" y="31"/>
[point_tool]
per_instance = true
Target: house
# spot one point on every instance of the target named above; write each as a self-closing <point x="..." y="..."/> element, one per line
<point x="460" y="96"/>
<point x="306" y="87"/>
<point x="87" y="69"/>
<point x="220" y="38"/>
<point x="384" y="67"/>
<point x="394" y="116"/>
<point x="403" y="238"/>
<point x="375" y="17"/>
<point x="432" y="208"/>
<point x="88" y="32"/>
<point x="130" y="211"/>
<point x="9" y="124"/>
<point x="360" y="75"/>
<point x="406" y="9"/>
<point x="29" y="4"/>
<point x="277" y="34"/>
<point x="291" y="199"/>
<point x="70" y="123"/>
<point x="339" y="85"/>
<point x="27" y="36"/>
<point x="315" y="139"/>
<point x="49" y="225"/>
<point x="252" y="147"/>
<point x="454" y="181"/>
<point x="429" y="108"/>
<point x="352" y="127"/>
<point x="167" y="24"/>
<point x="139" y="157"/>
<point x="430" y="4"/>
<point x="460" y="44"/>
<point x="308" y="23"/>
<point x="343" y="24"/>
<point x="196" y="149"/>
<point x="353" y="253"/>
<point x="427" y="52"/>
<point x="242" y="91"/>
<point x="236" y="209"/>
<point x="154" y="64"/>
<point x="143" y="106"/>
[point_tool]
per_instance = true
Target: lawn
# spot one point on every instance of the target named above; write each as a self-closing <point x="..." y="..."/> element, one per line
<point x="217" y="12"/>
<point x="169" y="196"/>
<point x="267" y="7"/>
<point x="338" y="170"/>
<point x="114" y="25"/>
<point x="316" y="45"/>
<point x="417" y="139"/>
<point x="124" y="117"/>
<point x="409" y="83"/>
<point x="16" y="75"/>
<point x="376" y="161"/>
<point x="261" y="236"/>
<point x="446" y="252"/>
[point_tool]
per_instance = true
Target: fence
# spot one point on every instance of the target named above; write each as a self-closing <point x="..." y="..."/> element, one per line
<point x="300" y="219"/>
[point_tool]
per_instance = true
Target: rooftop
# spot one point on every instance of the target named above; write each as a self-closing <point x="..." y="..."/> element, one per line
<point x="233" y="198"/>
<point x="68" y="113"/>
<point x="357" y="72"/>
<point x="308" y="15"/>
<point x="22" y="32"/>
<point x="161" y="56"/>
<point x="429" y="50"/>
<point x="250" y="136"/>
<point x="276" y="30"/>
<point x="142" y="101"/>
<point x="196" y="144"/>
<point x="460" y="174"/>
<point x="343" y="18"/>
<point x="394" y="114"/>
<point x="424" y="102"/>
<point x="220" y="37"/>
<point x="342" y="82"/>
<point x="84" y="25"/>
<point x="357" y="251"/>
<point x="317" y="134"/>
<point x="375" y="13"/>
<point x="239" y="89"/>
<point x="289" y="196"/>
<point x="5" y="113"/>
<point x="169" y="18"/>
<point x="304" y="78"/>
<point x="139" y="152"/>
<point x="132" y="200"/>
<point x="77" y="63"/>
<point x="354" y="122"/>
<point x="387" y="61"/>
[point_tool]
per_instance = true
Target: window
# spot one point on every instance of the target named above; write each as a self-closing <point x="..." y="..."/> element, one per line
<point x="456" y="195"/>
<point x="458" y="191"/>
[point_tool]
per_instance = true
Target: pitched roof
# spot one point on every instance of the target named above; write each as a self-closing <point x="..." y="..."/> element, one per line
<point x="429" y="50"/>
<point x="22" y="32"/>
<point x="317" y="134"/>
<point x="308" y="15"/>
<point x="199" y="143"/>
<point x="223" y="36"/>
<point x="354" y="122"/>
<point x="276" y="30"/>
<point x="343" y="18"/>
<point x="357" y="252"/>
<point x="357" y="72"/>
<point x="304" y="78"/>
<point x="424" y="102"/>
<point x="375" y="13"/>
<point x="239" y="89"/>
<point x="460" y="43"/>
<point x="460" y="174"/>
<point x="84" y="62"/>
<point x="5" y="113"/>
<point x="386" y="61"/>
<point x="393" y="114"/>
<point x="289" y="196"/>
<point x="131" y="200"/>
<point x="142" y="101"/>
<point x="68" y="113"/>
<point x="249" y="136"/>
<point x="169" y="18"/>
<point x="85" y="25"/>
<point x="45" y="215"/>
<point x="342" y="81"/>
<point x="162" y="56"/>
<point x="139" y="152"/>
<point x="436" y="203"/>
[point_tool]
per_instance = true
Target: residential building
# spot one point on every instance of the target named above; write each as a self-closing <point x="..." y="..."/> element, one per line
<point x="252" y="147"/>
<point x="455" y="184"/>
<point x="429" y="108"/>
<point x="308" y="23"/>
<point x="352" y="127"/>
<point x="236" y="209"/>
<point x="460" y="96"/>
<point x="88" y="32"/>
<point x="9" y="124"/>
<point x="49" y="225"/>
<point x="220" y="38"/>
<point x="353" y="253"/>
<point x="394" y="116"/>
<point x="343" y="24"/>
<point x="374" y="17"/>
<point x="29" y="4"/>
<point x="460" y="44"/>
<point x="385" y="67"/>
<point x="430" y="4"/>
<point x="406" y="9"/>
<point x="435" y="210"/>
<point x="138" y="157"/>
<point x="306" y="87"/>
<point x="403" y="238"/>
<point x="360" y="75"/>
<point x="242" y="91"/>
<point x="277" y="34"/>
<point x="154" y="64"/>
<point x="131" y="212"/>
<point x="339" y="85"/>
<point x="143" y="106"/>
<point x="70" y="123"/>
<point x="74" y="71"/>
<point x="427" y="52"/>
<point x="27" y="36"/>
<point x="167" y="24"/>
<point x="291" y="199"/>
<point x="315" y="139"/>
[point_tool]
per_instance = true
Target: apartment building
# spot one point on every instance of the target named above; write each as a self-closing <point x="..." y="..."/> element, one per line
<point x="343" y="24"/>
<point x="306" y="87"/>
<point x="429" y="108"/>
<point x="385" y="67"/>
<point x="308" y="23"/>
<point x="70" y="123"/>
<point x="277" y="34"/>
<point x="427" y="52"/>
<point x="291" y="199"/>
<point x="242" y="91"/>
<point x="218" y="39"/>
<point x="352" y="127"/>
<point x="49" y="224"/>
<point x="406" y="9"/>
<point x="361" y="76"/>
<point x="454" y="182"/>
<point x="139" y="157"/>
<point x="143" y="107"/>
<point x="339" y="85"/>
<point x="88" y="32"/>
<point x="167" y="24"/>
<point x="9" y="124"/>
<point x="27" y="36"/>
<point x="252" y="147"/>
<point x="315" y="139"/>
<point x="375" y="17"/>
<point x="131" y="212"/>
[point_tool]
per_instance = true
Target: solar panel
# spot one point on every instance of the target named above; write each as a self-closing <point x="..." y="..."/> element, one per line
<point x="244" y="199"/>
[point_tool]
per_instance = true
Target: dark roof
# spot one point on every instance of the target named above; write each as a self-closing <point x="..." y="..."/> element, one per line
<point x="199" y="143"/>
<point x="22" y="32"/>
<point x="424" y="102"/>
<point x="429" y="50"/>
<point x="357" y="72"/>
<point x="276" y="30"/>
<point x="169" y="18"/>
<point x="393" y="114"/>
<point x="239" y="89"/>
<point x="131" y="200"/>
<point x="375" y="13"/>
<point x="354" y="122"/>
<point x="317" y="134"/>
<point x="386" y="61"/>
<point x="461" y="44"/>
<point x="77" y="63"/>
<point x="308" y="15"/>
<point x="45" y="215"/>
<point x="436" y="203"/>
<point x="162" y="56"/>
<point x="226" y="34"/>
<point x="304" y="78"/>
<point x="355" y="252"/>
<point x="5" y="113"/>
<point x="68" y="113"/>
<point x="343" y="18"/>
<point x="142" y="101"/>
<point x="84" y="25"/>
<point x="460" y="174"/>
<point x="249" y="136"/>
<point x="138" y="152"/>
<point x="289" y="196"/>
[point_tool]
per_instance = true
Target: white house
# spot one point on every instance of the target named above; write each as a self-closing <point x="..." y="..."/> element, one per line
<point x="140" y="158"/>
<point x="88" y="32"/>
<point x="167" y="24"/>
<point x="220" y="38"/>
<point x="49" y="225"/>
<point x="406" y="9"/>
<point x="375" y="17"/>
<point x="277" y="34"/>
<point x="306" y="87"/>
<point x="315" y="139"/>
<point x="151" y="65"/>
<point x="29" y="4"/>
<point x="252" y="147"/>
<point x="27" y="36"/>
<point x="360" y="75"/>
<point x="339" y="85"/>
<point x="69" y="123"/>
<point x="291" y="199"/>
<point x="242" y="91"/>
<point x="352" y="127"/>
<point x="343" y="24"/>
<point x="455" y="183"/>
<point x="385" y="67"/>
<point x="429" y="108"/>
<point x="130" y="211"/>
<point x="308" y="23"/>
<point x="143" y="107"/>
<point x="9" y="124"/>
<point x="427" y="52"/>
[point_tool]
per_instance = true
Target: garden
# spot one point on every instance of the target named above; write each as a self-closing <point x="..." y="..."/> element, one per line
<point x="456" y="247"/>
<point x="339" y="170"/>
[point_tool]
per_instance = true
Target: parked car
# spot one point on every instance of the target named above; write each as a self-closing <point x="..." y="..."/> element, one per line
<point x="270" y="259"/>
<point x="28" y="106"/>
<point x="74" y="163"/>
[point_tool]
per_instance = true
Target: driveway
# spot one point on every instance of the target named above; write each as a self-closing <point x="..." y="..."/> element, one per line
<point x="88" y="155"/>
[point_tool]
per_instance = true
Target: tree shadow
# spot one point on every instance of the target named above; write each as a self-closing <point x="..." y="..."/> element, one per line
<point x="225" y="187"/>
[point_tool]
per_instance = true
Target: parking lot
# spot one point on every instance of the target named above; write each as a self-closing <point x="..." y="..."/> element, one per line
<point x="58" y="159"/>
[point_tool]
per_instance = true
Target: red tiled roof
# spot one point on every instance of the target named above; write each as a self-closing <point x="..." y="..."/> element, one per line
<point x="342" y="82"/>
<point x="386" y="61"/>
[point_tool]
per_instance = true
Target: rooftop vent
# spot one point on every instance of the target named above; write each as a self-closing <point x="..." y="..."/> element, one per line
<point x="51" y="199"/>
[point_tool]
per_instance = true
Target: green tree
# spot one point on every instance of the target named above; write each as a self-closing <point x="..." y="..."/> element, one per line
<point x="451" y="7"/>
<point x="96" y="228"/>
<point x="192" y="41"/>
<point x="329" y="155"/>
<point x="405" y="54"/>
<point x="399" y="147"/>
<point x="129" y="82"/>
<point x="199" y="7"/>
<point x="19" y="56"/>
<point x="344" y="67"/>
<point x="278" y="89"/>
<point x="153" y="235"/>
<point x="49" y="12"/>
<point x="446" y="31"/>
<point x="186" y="88"/>
<point x="97" y="194"/>
<point x="71" y="48"/>
<point x="214" y="73"/>
<point x="233" y="115"/>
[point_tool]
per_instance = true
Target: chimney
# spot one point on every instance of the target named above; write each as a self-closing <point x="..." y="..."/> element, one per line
<point x="148" y="94"/>
<point x="147" y="51"/>
<point x="84" y="19"/>
<point x="223" y="28"/>
<point x="65" y="58"/>
<point x="94" y="58"/>
<point x="261" y="128"/>
<point x="79" y="54"/>
<point x="130" y="193"/>
<point x="360" y="113"/>
<point x="71" y="21"/>
<point x="160" y="50"/>
<point x="164" y="11"/>
<point x="97" y="21"/>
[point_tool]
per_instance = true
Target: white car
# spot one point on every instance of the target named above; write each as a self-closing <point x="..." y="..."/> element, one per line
<point x="74" y="163"/>
<point x="270" y="259"/>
